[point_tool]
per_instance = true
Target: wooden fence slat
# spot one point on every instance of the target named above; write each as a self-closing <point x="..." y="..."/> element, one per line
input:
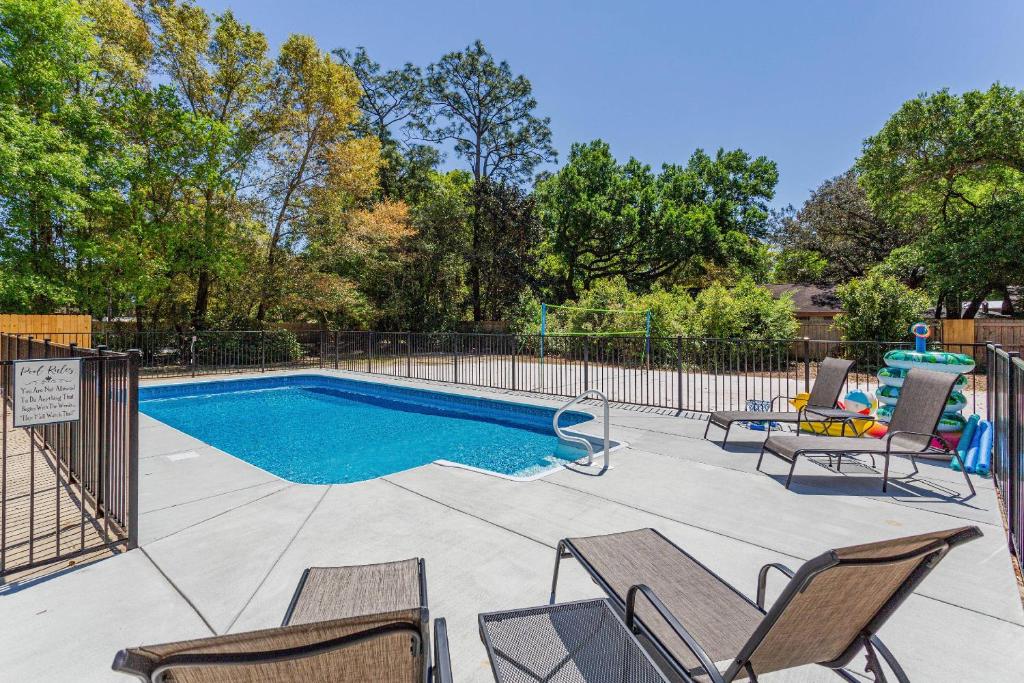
<point x="61" y="325"/>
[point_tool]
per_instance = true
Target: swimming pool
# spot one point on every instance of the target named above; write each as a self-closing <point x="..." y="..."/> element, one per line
<point x="317" y="429"/>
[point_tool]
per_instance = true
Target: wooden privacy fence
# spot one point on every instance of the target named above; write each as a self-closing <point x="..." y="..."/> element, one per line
<point x="68" y="328"/>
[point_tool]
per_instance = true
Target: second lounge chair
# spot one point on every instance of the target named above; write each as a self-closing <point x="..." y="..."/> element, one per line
<point x="830" y="610"/>
<point x="911" y="430"/>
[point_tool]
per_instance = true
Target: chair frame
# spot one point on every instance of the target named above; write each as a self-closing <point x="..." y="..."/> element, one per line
<point x="875" y="650"/>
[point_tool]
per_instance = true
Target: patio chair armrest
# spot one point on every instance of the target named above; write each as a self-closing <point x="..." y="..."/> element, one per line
<point x="713" y="674"/>
<point x="125" y="662"/>
<point x="776" y="398"/>
<point x="442" y="670"/>
<point x="762" y="579"/>
<point x="888" y="439"/>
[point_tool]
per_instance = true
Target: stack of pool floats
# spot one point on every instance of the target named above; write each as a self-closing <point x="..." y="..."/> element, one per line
<point x="971" y="437"/>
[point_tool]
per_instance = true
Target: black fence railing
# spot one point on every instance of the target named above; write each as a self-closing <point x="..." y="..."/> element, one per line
<point x="678" y="373"/>
<point x="1006" y="409"/>
<point x="69" y="489"/>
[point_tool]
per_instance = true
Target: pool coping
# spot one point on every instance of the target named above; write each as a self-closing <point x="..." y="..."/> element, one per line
<point x="596" y="442"/>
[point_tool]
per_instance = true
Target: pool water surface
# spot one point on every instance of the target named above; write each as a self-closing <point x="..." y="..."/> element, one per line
<point x="318" y="429"/>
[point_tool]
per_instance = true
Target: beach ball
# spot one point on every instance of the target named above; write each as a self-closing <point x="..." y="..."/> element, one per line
<point x="859" y="402"/>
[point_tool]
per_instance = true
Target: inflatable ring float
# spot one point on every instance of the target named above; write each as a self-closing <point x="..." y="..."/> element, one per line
<point x="888" y="396"/>
<point x="950" y="422"/>
<point x="942" y="361"/>
<point x="894" y="377"/>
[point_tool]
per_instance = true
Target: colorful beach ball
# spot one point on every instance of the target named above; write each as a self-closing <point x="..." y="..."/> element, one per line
<point x="859" y="402"/>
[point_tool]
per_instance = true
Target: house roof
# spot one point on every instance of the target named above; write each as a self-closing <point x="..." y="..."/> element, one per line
<point x="809" y="299"/>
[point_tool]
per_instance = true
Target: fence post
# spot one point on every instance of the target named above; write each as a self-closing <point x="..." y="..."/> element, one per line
<point x="263" y="350"/>
<point x="586" y="363"/>
<point x="337" y="343"/>
<point x="807" y="363"/>
<point x="192" y="354"/>
<point x="134" y="363"/>
<point x="408" y="354"/>
<point x="515" y="351"/>
<point x="455" y="355"/>
<point x="369" y="352"/>
<point x="101" y="430"/>
<point x="679" y="373"/>
<point x="323" y="348"/>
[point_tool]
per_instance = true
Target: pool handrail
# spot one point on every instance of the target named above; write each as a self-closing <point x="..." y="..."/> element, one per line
<point x="572" y="438"/>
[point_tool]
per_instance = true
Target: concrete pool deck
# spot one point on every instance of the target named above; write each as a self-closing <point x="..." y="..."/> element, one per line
<point x="223" y="544"/>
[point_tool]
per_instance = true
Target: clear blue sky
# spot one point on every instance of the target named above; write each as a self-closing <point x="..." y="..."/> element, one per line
<point x="800" y="82"/>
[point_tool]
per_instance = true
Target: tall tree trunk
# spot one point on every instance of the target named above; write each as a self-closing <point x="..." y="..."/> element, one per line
<point x="1007" y="307"/>
<point x="474" y="261"/>
<point x="202" y="302"/>
<point x="938" y="305"/>
<point x="972" y="308"/>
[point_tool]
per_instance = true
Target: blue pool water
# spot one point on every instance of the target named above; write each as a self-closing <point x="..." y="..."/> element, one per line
<point x="325" y="430"/>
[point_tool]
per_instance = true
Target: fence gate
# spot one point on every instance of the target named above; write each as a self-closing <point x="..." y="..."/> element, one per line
<point x="68" y="453"/>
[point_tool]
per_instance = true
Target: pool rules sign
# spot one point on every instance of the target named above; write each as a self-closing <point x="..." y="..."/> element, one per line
<point x="47" y="391"/>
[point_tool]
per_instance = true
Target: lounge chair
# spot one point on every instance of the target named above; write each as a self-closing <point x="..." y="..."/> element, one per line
<point x="911" y="430"/>
<point x="362" y="623"/>
<point x="821" y="403"/>
<point x="700" y="626"/>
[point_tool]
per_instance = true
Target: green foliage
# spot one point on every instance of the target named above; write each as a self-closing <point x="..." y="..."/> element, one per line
<point x="838" y="226"/>
<point x="878" y="307"/>
<point x="603" y="219"/>
<point x="951" y="168"/>
<point x="801" y="266"/>
<point x="746" y="311"/>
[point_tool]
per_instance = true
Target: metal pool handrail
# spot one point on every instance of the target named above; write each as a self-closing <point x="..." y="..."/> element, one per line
<point x="579" y="439"/>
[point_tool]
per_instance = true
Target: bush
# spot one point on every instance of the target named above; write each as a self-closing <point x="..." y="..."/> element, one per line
<point x="878" y="307"/>
<point x="747" y="311"/>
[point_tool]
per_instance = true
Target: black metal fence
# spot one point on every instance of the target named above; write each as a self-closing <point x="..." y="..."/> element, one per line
<point x="69" y="489"/>
<point x="1006" y="408"/>
<point x="678" y="373"/>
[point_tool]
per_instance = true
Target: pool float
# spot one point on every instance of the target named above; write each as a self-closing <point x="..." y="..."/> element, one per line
<point x="985" y="434"/>
<point x="894" y="377"/>
<point x="854" y="428"/>
<point x="965" y="441"/>
<point x="888" y="396"/>
<point x="949" y="422"/>
<point x="940" y="361"/>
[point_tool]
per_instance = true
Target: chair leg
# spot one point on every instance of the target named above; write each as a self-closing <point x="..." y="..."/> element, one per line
<point x="913" y="461"/>
<point x="559" y="553"/>
<point x="708" y="427"/>
<point x="963" y="469"/>
<point x="760" y="458"/>
<point x="726" y="437"/>
<point x="839" y="462"/>
<point x="789" y="479"/>
<point x="885" y="474"/>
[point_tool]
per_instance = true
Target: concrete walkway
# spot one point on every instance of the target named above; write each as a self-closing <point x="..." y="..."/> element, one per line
<point x="224" y="543"/>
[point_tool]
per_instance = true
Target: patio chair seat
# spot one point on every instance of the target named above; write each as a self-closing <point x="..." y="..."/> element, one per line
<point x="786" y="446"/>
<point x="720" y="618"/>
<point x="326" y="593"/>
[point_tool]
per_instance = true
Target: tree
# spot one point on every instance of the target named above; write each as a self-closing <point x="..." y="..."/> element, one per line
<point x="393" y="103"/>
<point x="877" y="307"/>
<point x="220" y="71"/>
<point x="951" y="168"/>
<point x="488" y="113"/>
<point x="509" y="235"/>
<point x="604" y="219"/>
<point x="316" y="168"/>
<point x="838" y="224"/>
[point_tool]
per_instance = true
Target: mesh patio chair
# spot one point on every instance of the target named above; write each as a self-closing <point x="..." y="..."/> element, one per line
<point x="347" y="624"/>
<point x="821" y="403"/>
<point x="830" y="610"/>
<point x="911" y="430"/>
